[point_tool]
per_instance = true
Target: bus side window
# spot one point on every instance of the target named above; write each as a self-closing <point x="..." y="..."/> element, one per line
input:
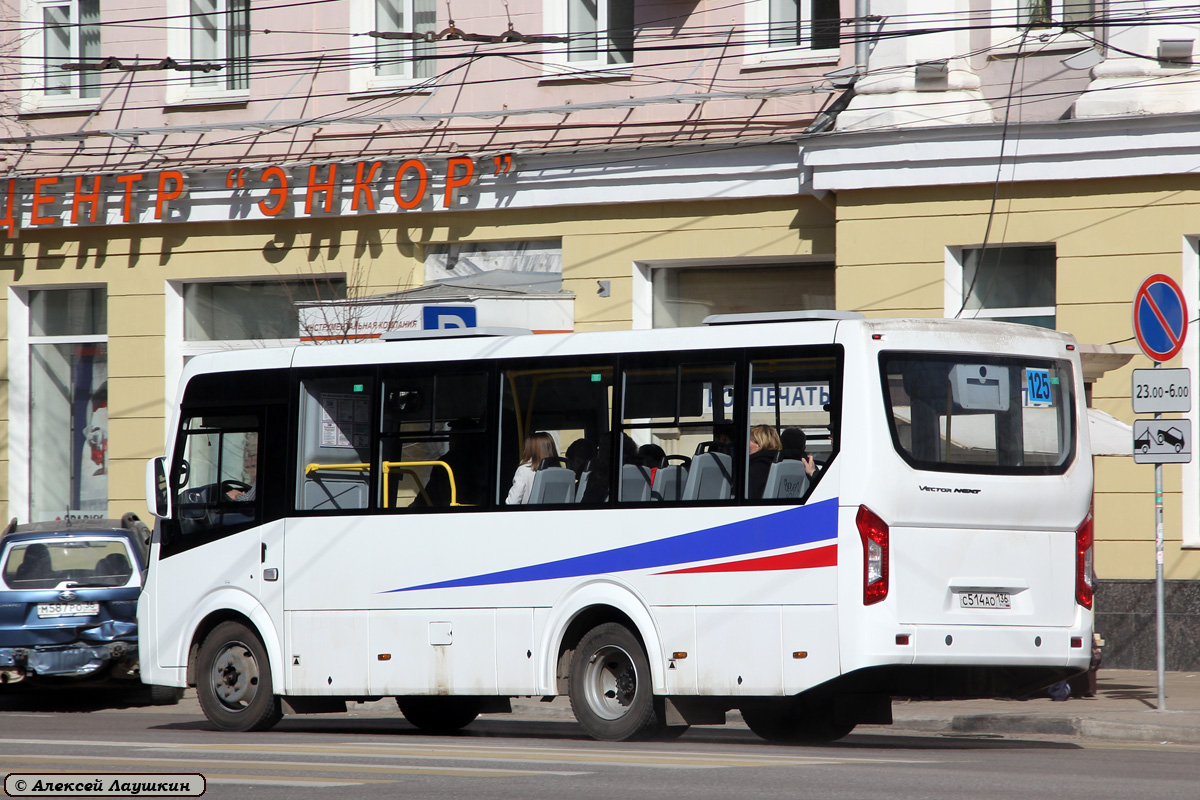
<point x="216" y="474"/>
<point x="679" y="416"/>
<point x="570" y="402"/>
<point x="335" y="443"/>
<point x="793" y="406"/>
<point x="434" y="445"/>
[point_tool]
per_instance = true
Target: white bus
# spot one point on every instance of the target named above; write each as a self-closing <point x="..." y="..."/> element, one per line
<point x="334" y="526"/>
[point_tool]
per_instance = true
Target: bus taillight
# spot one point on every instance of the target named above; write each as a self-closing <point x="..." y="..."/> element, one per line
<point x="1084" y="553"/>
<point x="874" y="533"/>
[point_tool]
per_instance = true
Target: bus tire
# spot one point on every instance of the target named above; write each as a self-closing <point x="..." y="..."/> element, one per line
<point x="439" y="715"/>
<point x="164" y="695"/>
<point x="233" y="680"/>
<point x="610" y="687"/>
<point x="797" y="721"/>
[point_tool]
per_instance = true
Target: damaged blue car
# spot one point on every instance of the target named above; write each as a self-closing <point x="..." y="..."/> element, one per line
<point x="68" y="603"/>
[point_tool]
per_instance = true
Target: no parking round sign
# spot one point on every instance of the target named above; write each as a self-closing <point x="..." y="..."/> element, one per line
<point x="1160" y="318"/>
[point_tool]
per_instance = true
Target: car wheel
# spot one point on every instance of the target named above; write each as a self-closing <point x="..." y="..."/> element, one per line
<point x="439" y="715"/>
<point x="610" y="686"/>
<point x="797" y="721"/>
<point x="165" y="695"/>
<point x="233" y="680"/>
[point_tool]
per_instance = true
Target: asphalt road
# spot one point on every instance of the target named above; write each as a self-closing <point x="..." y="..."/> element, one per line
<point x="373" y="752"/>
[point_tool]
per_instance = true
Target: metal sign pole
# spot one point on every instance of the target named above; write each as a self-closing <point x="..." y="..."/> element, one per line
<point x="1159" y="612"/>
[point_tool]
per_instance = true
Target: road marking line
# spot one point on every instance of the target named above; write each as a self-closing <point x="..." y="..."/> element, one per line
<point x="490" y="752"/>
<point x="298" y="766"/>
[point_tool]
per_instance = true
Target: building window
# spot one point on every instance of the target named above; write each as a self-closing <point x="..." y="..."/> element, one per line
<point x="220" y="35"/>
<point x="68" y="424"/>
<point x="70" y="33"/>
<point x="1077" y="14"/>
<point x="1009" y="283"/>
<point x="684" y="296"/>
<point x="600" y="33"/>
<point x="792" y="29"/>
<point x="399" y="58"/>
<point x="251" y="310"/>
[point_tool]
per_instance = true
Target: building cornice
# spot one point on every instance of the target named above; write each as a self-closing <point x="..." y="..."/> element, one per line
<point x="1075" y="149"/>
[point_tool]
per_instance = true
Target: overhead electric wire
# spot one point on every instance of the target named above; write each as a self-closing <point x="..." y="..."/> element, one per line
<point x="392" y="100"/>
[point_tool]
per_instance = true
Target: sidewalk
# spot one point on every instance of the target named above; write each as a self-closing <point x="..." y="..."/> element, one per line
<point x="1125" y="708"/>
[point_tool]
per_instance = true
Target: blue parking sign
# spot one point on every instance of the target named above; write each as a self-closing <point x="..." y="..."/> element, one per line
<point x="438" y="318"/>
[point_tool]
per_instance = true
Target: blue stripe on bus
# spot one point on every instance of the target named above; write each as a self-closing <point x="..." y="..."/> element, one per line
<point x="796" y="526"/>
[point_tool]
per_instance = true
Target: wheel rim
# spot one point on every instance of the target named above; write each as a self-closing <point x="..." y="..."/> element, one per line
<point x="610" y="682"/>
<point x="235" y="676"/>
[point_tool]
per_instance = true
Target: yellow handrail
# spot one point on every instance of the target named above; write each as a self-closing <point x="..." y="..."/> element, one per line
<point x="405" y="467"/>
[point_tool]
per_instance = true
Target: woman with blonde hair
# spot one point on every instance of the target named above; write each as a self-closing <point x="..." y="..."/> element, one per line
<point x="764" y="447"/>
<point x="538" y="446"/>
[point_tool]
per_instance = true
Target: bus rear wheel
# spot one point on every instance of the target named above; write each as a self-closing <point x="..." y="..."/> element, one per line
<point x="610" y="687"/>
<point x="439" y="714"/>
<point x="797" y="721"/>
<point x="233" y="680"/>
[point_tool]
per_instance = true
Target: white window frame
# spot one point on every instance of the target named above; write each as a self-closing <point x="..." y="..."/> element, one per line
<point x="1014" y="34"/>
<point x="760" y="52"/>
<point x="178" y="350"/>
<point x="365" y="78"/>
<point x="33" y="52"/>
<point x="557" y="61"/>
<point x="185" y="86"/>
<point x="954" y="305"/>
<point x="20" y="411"/>
<point x="642" y="289"/>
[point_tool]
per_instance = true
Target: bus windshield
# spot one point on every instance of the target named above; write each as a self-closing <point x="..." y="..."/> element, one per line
<point x="980" y="413"/>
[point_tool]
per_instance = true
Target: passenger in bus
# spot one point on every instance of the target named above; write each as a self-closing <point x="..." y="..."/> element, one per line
<point x="598" y="483"/>
<point x="723" y="438"/>
<point x="249" y="472"/>
<point x="795" y="445"/>
<point x="652" y="457"/>
<point x="765" y="448"/>
<point x="538" y="446"/>
<point x="580" y="456"/>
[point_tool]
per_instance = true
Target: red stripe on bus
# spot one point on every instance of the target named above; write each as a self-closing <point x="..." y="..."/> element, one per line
<point x="803" y="559"/>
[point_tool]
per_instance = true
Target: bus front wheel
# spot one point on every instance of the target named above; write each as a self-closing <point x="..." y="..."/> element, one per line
<point x="233" y="680"/>
<point x="610" y="687"/>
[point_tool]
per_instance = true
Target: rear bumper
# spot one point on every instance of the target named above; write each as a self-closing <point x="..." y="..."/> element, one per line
<point x="951" y="645"/>
<point x="76" y="660"/>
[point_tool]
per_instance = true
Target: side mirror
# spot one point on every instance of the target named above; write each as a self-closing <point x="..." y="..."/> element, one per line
<point x="158" y="496"/>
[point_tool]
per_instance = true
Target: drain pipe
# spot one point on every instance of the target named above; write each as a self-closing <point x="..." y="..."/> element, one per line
<point x="862" y="45"/>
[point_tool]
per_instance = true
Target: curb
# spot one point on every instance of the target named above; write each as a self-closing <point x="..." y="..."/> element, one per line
<point x="1083" y="727"/>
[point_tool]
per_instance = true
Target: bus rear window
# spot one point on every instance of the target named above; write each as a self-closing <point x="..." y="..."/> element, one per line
<point x="980" y="413"/>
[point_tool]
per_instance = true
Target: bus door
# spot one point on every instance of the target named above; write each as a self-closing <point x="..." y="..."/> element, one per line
<point x="224" y="500"/>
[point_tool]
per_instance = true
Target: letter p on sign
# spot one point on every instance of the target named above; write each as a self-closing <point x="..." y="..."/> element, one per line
<point x="439" y="318"/>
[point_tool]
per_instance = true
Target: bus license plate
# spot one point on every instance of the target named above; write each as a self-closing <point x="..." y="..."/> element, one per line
<point x="985" y="600"/>
<point x="49" y="610"/>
